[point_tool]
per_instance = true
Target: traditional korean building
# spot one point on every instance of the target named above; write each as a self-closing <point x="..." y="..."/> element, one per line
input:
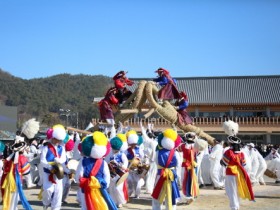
<point x="251" y="101"/>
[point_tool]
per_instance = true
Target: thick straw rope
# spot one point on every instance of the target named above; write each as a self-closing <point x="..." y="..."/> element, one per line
<point x="148" y="91"/>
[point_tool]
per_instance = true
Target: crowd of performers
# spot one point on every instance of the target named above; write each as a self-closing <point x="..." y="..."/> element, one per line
<point x="111" y="167"/>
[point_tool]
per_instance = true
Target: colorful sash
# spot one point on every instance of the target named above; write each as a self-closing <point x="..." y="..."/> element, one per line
<point x="12" y="184"/>
<point x="9" y="185"/>
<point x="190" y="186"/>
<point x="96" y="197"/>
<point x="244" y="186"/>
<point x="163" y="187"/>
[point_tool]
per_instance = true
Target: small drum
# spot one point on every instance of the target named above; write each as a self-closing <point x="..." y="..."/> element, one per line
<point x="116" y="170"/>
<point x="270" y="174"/>
<point x="134" y="163"/>
<point x="143" y="169"/>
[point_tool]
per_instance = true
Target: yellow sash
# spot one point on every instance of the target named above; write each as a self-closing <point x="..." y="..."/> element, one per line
<point x="166" y="188"/>
<point x="9" y="185"/>
<point x="242" y="187"/>
<point x="96" y="196"/>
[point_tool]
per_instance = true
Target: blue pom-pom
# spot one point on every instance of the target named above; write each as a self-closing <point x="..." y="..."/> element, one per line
<point x="66" y="139"/>
<point x="87" y="144"/>
<point x="140" y="140"/>
<point x="116" y="143"/>
<point x="2" y="146"/>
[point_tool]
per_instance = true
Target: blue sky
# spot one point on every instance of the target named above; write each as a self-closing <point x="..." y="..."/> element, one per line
<point x="190" y="38"/>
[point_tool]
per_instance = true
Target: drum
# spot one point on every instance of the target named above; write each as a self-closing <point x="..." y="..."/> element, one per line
<point x="116" y="170"/>
<point x="134" y="163"/>
<point x="270" y="174"/>
<point x="143" y="169"/>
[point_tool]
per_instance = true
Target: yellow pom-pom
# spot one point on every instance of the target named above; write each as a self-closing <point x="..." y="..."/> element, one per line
<point x="59" y="126"/>
<point x="171" y="134"/>
<point x="122" y="137"/>
<point x="130" y="132"/>
<point x="99" y="138"/>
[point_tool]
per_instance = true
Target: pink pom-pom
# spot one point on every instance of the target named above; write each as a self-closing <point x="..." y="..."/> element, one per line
<point x="49" y="133"/>
<point x="178" y="141"/>
<point x="108" y="147"/>
<point x="69" y="146"/>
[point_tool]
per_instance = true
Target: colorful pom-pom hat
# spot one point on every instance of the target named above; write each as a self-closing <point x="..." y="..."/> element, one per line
<point x="133" y="138"/>
<point x="169" y="139"/>
<point x="96" y="145"/>
<point x="57" y="132"/>
<point x="123" y="138"/>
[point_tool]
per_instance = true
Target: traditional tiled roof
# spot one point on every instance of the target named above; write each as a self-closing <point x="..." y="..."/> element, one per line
<point x="262" y="90"/>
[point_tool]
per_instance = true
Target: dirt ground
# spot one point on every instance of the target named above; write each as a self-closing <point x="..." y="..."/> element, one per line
<point x="267" y="198"/>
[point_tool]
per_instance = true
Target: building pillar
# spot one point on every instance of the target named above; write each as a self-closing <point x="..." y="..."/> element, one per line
<point x="231" y="111"/>
<point x="268" y="138"/>
<point x="196" y="112"/>
<point x="268" y="111"/>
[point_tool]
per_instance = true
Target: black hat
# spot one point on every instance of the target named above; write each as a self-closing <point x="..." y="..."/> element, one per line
<point x="234" y="140"/>
<point x="190" y="136"/>
<point x="19" y="144"/>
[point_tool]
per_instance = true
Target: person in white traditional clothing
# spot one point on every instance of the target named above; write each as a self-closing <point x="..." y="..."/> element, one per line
<point x="150" y="145"/>
<point x="117" y="162"/>
<point x="29" y="177"/>
<point x="67" y="180"/>
<point x="255" y="163"/>
<point x="34" y="172"/>
<point x="215" y="166"/>
<point x="76" y="153"/>
<point x="203" y="174"/>
<point x="273" y="163"/>
<point x="40" y="167"/>
<point x="225" y="148"/>
<point x="248" y="166"/>
<point x="134" y="152"/>
<point x="262" y="168"/>
<point x="52" y="156"/>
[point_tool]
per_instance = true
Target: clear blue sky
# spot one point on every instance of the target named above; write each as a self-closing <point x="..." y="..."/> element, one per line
<point x="40" y="38"/>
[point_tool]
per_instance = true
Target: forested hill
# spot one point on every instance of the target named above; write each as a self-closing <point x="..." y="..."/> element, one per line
<point x="44" y="97"/>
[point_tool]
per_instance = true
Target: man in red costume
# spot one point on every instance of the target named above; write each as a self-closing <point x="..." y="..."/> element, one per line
<point x="121" y="81"/>
<point x="106" y="106"/>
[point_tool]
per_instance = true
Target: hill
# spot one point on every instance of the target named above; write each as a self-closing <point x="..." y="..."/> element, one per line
<point x="45" y="98"/>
